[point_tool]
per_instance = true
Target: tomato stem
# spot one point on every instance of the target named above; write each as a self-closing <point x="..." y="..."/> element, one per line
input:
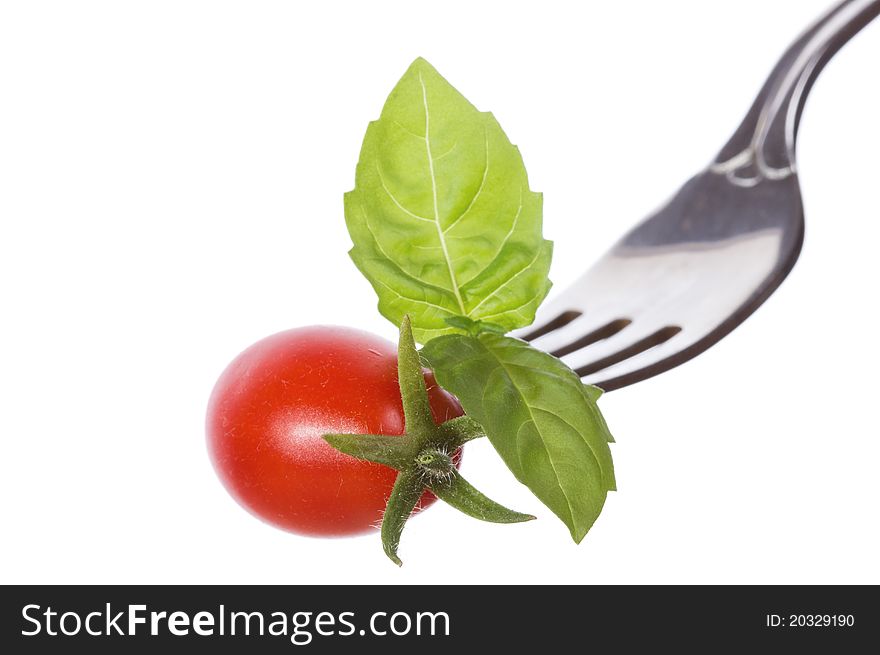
<point x="422" y="455"/>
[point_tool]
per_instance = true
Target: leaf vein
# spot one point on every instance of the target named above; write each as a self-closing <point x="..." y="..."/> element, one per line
<point x="479" y="189"/>
<point x="528" y="407"/>
<point x="415" y="300"/>
<point x="399" y="268"/>
<point x="439" y="157"/>
<point x="396" y="201"/>
<point x="440" y="235"/>
<point x="504" y="241"/>
<point x="506" y="282"/>
<point x="406" y="129"/>
<point x="507" y="311"/>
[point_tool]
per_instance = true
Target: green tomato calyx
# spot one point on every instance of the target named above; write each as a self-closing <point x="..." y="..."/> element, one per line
<point x="423" y="456"/>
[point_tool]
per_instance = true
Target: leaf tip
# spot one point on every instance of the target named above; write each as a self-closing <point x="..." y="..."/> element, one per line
<point x="420" y="63"/>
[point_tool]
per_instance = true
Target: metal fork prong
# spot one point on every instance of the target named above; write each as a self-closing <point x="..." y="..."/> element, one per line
<point x="599" y="334"/>
<point x="639" y="336"/>
<point x="613" y="377"/>
<point x="548" y="322"/>
<point x="593" y="323"/>
<point x="642" y="345"/>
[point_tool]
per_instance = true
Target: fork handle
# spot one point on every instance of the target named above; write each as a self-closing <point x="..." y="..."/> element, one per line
<point x="763" y="147"/>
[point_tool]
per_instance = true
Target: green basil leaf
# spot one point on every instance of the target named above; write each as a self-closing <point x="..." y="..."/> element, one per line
<point x="473" y="328"/>
<point x="441" y="216"/>
<point x="593" y="393"/>
<point x="537" y="414"/>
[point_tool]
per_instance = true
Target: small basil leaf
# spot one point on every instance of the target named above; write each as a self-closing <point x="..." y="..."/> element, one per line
<point x="441" y="216"/>
<point x="537" y="415"/>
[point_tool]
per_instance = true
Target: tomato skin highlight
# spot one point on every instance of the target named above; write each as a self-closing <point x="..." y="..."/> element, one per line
<point x="271" y="407"/>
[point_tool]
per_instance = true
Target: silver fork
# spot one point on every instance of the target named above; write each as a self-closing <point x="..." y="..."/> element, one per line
<point x="690" y="273"/>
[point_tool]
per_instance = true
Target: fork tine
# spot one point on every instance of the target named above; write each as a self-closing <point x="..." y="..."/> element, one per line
<point x="629" y="342"/>
<point x="601" y="333"/>
<point x="607" y="377"/>
<point x="595" y="323"/>
<point x="547" y="322"/>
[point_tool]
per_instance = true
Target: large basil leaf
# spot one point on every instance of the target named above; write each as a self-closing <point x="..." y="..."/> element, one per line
<point x="538" y="415"/>
<point x="441" y="216"/>
<point x="593" y="393"/>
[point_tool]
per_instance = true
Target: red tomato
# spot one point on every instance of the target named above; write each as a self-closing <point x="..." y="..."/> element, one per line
<point x="273" y="403"/>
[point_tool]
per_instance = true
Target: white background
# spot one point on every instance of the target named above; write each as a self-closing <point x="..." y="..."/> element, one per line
<point x="171" y="180"/>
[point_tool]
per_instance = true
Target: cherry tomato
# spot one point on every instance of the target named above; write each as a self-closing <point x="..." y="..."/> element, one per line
<point x="273" y="403"/>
